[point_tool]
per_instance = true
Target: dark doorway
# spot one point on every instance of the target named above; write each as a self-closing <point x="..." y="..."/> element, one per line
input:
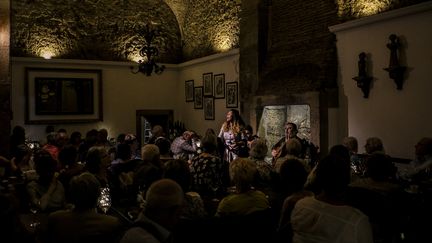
<point x="147" y="119"/>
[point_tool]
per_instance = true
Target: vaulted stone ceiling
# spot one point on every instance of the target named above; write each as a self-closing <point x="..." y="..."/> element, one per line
<point x="109" y="29"/>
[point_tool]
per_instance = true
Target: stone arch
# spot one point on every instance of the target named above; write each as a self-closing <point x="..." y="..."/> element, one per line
<point x="96" y="29"/>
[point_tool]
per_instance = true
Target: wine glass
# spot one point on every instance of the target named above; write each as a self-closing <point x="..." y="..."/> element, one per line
<point x="104" y="202"/>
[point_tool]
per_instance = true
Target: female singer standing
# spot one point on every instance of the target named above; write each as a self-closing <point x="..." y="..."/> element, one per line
<point x="231" y="134"/>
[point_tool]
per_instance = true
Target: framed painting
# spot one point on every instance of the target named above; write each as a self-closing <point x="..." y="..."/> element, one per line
<point x="219" y="86"/>
<point x="209" y="108"/>
<point x="63" y="95"/>
<point x="208" y="84"/>
<point x="232" y="95"/>
<point x="198" y="97"/>
<point x="189" y="90"/>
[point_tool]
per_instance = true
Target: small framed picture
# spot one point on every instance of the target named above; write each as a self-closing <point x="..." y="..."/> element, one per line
<point x="208" y="84"/>
<point x="189" y="90"/>
<point x="209" y="111"/>
<point x="232" y="95"/>
<point x="198" y="97"/>
<point x="219" y="86"/>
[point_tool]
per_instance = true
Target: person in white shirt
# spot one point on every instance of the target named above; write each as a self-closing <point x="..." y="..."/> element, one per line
<point x="325" y="218"/>
<point x="422" y="165"/>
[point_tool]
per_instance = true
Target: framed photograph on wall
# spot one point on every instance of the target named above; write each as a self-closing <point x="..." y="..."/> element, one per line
<point x="198" y="97"/>
<point x="232" y="95"/>
<point x="63" y="95"/>
<point x="209" y="108"/>
<point x="219" y="86"/>
<point x="208" y="84"/>
<point x="189" y="90"/>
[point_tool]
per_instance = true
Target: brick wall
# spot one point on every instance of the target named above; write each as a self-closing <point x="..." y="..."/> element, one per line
<point x="301" y="50"/>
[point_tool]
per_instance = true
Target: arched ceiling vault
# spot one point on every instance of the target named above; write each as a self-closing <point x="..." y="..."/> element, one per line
<point x="109" y="29"/>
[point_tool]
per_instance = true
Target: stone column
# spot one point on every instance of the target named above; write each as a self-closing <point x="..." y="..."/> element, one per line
<point x="5" y="81"/>
<point x="253" y="41"/>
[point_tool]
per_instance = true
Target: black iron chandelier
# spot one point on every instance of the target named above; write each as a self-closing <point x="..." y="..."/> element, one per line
<point x="148" y="52"/>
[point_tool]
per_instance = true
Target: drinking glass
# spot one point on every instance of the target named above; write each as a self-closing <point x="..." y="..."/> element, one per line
<point x="104" y="202"/>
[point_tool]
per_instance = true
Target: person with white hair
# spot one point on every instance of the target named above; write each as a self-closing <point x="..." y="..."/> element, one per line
<point x="164" y="201"/>
<point x="149" y="170"/>
<point x="420" y="168"/>
<point x="184" y="146"/>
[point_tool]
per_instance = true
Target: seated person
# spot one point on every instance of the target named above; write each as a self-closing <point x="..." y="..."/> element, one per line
<point x="380" y="175"/>
<point x="164" y="148"/>
<point x="183" y="147"/>
<point x="380" y="198"/>
<point x="68" y="159"/>
<point x="293" y="177"/>
<point x="46" y="193"/>
<point x="149" y="170"/>
<point x="209" y="172"/>
<point x="157" y="131"/>
<point x="21" y="163"/>
<point x="258" y="152"/>
<point x="178" y="170"/>
<point x="83" y="223"/>
<point x="292" y="150"/>
<point x="422" y="165"/>
<point x="325" y="217"/>
<point x="279" y="149"/>
<point x="245" y="199"/>
<point x="374" y="145"/>
<point x="357" y="161"/>
<point x="164" y="201"/>
<point x="245" y="214"/>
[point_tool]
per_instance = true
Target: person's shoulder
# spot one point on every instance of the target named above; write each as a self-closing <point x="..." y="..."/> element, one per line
<point x="138" y="234"/>
<point x="60" y="214"/>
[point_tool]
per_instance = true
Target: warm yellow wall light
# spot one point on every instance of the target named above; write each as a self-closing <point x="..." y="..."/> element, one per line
<point x="363" y="8"/>
<point x="223" y="43"/>
<point x="47" y="54"/>
<point x="371" y="7"/>
<point x="134" y="57"/>
<point x="224" y="38"/>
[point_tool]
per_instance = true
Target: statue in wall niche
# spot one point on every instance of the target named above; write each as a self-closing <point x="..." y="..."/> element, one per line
<point x="363" y="80"/>
<point x="395" y="70"/>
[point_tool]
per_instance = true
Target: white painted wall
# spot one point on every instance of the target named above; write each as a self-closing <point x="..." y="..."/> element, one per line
<point x="399" y="117"/>
<point x="124" y="92"/>
<point x="226" y="63"/>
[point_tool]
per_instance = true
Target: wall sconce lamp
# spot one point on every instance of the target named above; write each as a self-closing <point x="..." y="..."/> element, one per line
<point x="148" y="52"/>
<point x="395" y="70"/>
<point x="363" y="81"/>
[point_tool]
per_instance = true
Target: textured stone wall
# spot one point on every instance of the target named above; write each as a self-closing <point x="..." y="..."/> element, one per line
<point x="92" y="29"/>
<point x="351" y="9"/>
<point x="210" y="26"/>
<point x="108" y="29"/>
<point x="5" y="82"/>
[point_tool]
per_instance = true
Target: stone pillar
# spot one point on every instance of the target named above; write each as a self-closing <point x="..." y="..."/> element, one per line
<point x="253" y="39"/>
<point x="5" y="81"/>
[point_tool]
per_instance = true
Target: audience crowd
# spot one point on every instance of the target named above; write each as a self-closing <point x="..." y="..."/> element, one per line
<point x="210" y="188"/>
